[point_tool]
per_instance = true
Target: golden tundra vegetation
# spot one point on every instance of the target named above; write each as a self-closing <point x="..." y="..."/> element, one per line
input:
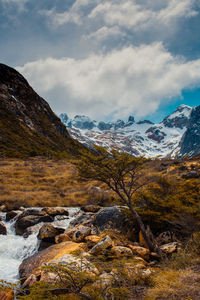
<point x="170" y="201"/>
<point x="42" y="182"/>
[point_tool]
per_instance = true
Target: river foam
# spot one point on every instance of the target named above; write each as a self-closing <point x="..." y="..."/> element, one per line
<point x="14" y="248"/>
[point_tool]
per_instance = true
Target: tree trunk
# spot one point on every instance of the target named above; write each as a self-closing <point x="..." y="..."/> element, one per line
<point x="142" y="229"/>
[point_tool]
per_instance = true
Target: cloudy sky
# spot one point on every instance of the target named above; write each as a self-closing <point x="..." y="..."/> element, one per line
<point x="107" y="59"/>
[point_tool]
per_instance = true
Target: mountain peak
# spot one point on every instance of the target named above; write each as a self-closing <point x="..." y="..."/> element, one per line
<point x="179" y="118"/>
<point x="28" y="125"/>
<point x="143" y="138"/>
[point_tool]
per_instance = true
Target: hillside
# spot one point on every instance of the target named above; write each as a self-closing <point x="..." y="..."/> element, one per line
<point x="28" y="126"/>
<point x="177" y="135"/>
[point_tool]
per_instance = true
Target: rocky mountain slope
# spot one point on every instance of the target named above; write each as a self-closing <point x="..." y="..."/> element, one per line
<point x="28" y="127"/>
<point x="177" y="135"/>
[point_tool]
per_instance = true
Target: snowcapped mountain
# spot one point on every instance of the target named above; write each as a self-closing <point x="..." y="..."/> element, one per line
<point x="166" y="139"/>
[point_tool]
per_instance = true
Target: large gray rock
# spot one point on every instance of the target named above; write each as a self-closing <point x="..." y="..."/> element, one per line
<point x="23" y="223"/>
<point x="114" y="218"/>
<point x="83" y="219"/>
<point x="109" y="217"/>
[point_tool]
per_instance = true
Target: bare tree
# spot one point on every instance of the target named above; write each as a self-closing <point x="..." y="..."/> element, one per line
<point x="121" y="173"/>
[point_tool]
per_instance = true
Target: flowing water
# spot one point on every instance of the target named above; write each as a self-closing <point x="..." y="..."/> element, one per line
<point x="14" y="248"/>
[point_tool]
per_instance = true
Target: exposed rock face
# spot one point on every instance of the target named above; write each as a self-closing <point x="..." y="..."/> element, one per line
<point x="28" y="125"/>
<point x="179" y="118"/>
<point x="190" y="144"/>
<point x="155" y="134"/>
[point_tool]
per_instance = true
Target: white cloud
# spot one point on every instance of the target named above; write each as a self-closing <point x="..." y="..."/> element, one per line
<point x="73" y="15"/>
<point x="131" y="80"/>
<point x="20" y="4"/>
<point x="105" y="33"/>
<point x="129" y="14"/>
<point x="100" y="18"/>
<point x="57" y="19"/>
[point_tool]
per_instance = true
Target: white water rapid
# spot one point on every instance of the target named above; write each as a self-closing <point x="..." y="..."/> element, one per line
<point x="14" y="248"/>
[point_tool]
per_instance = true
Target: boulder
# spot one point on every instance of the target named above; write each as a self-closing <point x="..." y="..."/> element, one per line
<point x="79" y="264"/>
<point x="71" y="230"/>
<point x="3" y="230"/>
<point x="55" y="211"/>
<point x="114" y="218"/>
<point x="80" y="233"/>
<point x="92" y="240"/>
<point x="3" y="208"/>
<point x="32" y="229"/>
<point x="105" y="243"/>
<point x="120" y="251"/>
<point x="169" y="248"/>
<point x="31" y="212"/>
<point x="31" y="265"/>
<point x="48" y="233"/>
<point x="21" y="208"/>
<point x="30" y="220"/>
<point x="143" y="252"/>
<point x="7" y="295"/>
<point x="91" y="208"/>
<point x="63" y="237"/>
<point x="83" y="219"/>
<point x="191" y="174"/>
<point x="10" y="215"/>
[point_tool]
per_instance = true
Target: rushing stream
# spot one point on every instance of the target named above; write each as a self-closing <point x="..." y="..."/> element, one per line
<point x="14" y="248"/>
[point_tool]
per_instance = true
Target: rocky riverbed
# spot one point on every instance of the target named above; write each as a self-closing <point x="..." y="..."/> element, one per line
<point x="33" y="237"/>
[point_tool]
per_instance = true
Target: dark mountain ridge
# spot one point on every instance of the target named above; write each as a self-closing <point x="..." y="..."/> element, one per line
<point x="28" y="126"/>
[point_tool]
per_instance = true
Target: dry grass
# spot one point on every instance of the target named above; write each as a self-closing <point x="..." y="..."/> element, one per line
<point x="47" y="182"/>
<point x="43" y="182"/>
<point x="175" y="285"/>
